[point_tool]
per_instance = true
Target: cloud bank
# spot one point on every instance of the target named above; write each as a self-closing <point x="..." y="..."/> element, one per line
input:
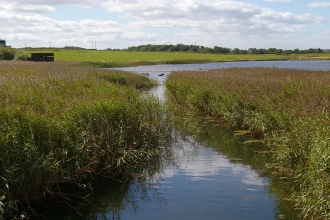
<point x="319" y="4"/>
<point x="208" y="22"/>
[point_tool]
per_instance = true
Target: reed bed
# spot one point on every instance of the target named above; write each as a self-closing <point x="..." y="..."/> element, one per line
<point x="62" y="123"/>
<point x="291" y="108"/>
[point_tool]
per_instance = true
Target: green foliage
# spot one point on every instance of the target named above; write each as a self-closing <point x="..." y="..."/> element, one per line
<point x="62" y="123"/>
<point x="21" y="56"/>
<point x="7" y="53"/>
<point x="289" y="107"/>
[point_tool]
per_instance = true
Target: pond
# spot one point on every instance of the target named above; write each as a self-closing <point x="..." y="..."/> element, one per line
<point x="213" y="176"/>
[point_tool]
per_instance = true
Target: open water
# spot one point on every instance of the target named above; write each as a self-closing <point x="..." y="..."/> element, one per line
<point x="213" y="176"/>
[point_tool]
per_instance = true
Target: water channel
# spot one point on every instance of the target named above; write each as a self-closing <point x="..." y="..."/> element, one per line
<point x="214" y="175"/>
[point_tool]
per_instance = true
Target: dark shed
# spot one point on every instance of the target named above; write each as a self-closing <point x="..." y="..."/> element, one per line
<point x="42" y="57"/>
<point x="2" y="43"/>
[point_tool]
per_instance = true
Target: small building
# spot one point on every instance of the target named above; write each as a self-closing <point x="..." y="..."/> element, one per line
<point x="2" y="43"/>
<point x="42" y="57"/>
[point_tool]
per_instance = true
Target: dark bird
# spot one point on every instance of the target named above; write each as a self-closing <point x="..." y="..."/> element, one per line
<point x="161" y="74"/>
<point x="146" y="74"/>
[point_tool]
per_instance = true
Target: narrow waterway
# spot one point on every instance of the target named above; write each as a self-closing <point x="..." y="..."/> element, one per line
<point x="212" y="176"/>
<point x="216" y="177"/>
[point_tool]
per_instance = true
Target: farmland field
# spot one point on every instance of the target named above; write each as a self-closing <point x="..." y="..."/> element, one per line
<point x="109" y="58"/>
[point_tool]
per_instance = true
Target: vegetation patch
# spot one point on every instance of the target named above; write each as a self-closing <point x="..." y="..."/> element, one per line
<point x="290" y="108"/>
<point x="66" y="124"/>
<point x="114" y="58"/>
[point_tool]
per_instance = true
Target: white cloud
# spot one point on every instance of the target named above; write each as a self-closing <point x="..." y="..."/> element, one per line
<point x="32" y="28"/>
<point x="194" y="11"/>
<point x="140" y="36"/>
<point x="188" y="9"/>
<point x="36" y="5"/>
<point x="228" y="23"/>
<point x="287" y="17"/>
<point x="13" y="6"/>
<point x="319" y="4"/>
<point x="203" y="163"/>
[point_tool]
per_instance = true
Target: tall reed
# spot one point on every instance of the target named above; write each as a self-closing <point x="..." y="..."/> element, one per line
<point x="291" y="108"/>
<point x="62" y="123"/>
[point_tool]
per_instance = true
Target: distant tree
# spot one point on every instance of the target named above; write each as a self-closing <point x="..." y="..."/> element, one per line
<point x="194" y="49"/>
<point x="287" y="52"/>
<point x="262" y="51"/>
<point x="7" y="53"/>
<point x="271" y="50"/>
<point x="296" y="51"/>
<point x="253" y="50"/>
<point x="74" y="48"/>
<point x="206" y="50"/>
<point x="279" y="51"/>
<point x="21" y="56"/>
<point x="236" y="51"/>
<point x="217" y="49"/>
<point x="319" y="50"/>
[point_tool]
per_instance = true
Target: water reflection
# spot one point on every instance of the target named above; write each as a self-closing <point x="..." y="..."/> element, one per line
<point x="224" y="141"/>
<point x="205" y="184"/>
<point x="306" y="64"/>
<point x="213" y="176"/>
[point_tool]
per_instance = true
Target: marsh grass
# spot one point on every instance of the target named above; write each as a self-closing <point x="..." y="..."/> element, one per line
<point x="290" y="108"/>
<point x="62" y="123"/>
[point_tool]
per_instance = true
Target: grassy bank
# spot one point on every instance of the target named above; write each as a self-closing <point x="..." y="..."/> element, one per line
<point x="291" y="108"/>
<point x="124" y="58"/>
<point x="62" y="123"/>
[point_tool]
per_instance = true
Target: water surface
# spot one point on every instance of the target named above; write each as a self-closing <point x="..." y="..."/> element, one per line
<point x="213" y="175"/>
<point x="216" y="176"/>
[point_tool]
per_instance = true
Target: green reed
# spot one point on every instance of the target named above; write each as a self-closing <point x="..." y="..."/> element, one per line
<point x="62" y="123"/>
<point x="291" y="108"/>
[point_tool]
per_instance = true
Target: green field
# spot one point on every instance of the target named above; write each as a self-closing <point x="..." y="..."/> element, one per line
<point x="108" y="58"/>
<point x="105" y="58"/>
<point x="126" y="57"/>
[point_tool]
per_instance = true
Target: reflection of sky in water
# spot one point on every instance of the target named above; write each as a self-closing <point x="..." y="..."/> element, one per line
<point x="310" y="65"/>
<point x="204" y="163"/>
<point x="205" y="184"/>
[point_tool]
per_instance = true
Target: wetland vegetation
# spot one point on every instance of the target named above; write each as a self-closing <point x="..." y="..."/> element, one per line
<point x="63" y="124"/>
<point x="289" y="108"/>
<point x="67" y="124"/>
<point x="172" y="54"/>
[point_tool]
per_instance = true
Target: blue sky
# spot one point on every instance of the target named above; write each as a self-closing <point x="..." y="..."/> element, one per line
<point x="117" y="24"/>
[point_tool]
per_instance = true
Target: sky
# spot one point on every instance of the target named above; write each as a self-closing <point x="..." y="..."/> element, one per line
<point x="119" y="24"/>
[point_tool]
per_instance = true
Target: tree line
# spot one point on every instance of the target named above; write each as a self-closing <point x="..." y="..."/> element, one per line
<point x="217" y="49"/>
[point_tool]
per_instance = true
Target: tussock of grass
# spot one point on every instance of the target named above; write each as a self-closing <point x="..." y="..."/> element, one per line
<point x="63" y="123"/>
<point x="291" y="108"/>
